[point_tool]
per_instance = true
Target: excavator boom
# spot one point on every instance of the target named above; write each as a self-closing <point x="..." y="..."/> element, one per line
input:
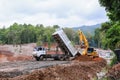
<point x="83" y="39"/>
<point x="84" y="44"/>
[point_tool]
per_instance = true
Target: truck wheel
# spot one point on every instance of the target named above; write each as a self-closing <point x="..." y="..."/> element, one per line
<point x="61" y="58"/>
<point x="41" y="57"/>
<point x="37" y="58"/>
<point x="67" y="58"/>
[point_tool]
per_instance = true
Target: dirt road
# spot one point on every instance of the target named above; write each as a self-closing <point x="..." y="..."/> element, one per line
<point x="12" y="69"/>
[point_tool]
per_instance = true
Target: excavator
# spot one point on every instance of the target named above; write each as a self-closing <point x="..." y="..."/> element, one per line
<point x="84" y="45"/>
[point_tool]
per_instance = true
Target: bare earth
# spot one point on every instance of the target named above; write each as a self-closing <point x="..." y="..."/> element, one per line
<point x="9" y="69"/>
<point x="17" y="63"/>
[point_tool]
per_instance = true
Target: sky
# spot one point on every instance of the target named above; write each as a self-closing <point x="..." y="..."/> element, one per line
<point x="65" y="13"/>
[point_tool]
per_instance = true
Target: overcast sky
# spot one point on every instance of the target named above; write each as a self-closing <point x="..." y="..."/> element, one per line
<point x="65" y="13"/>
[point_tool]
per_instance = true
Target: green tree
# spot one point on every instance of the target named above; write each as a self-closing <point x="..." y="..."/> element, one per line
<point x="56" y="26"/>
<point x="111" y="29"/>
<point x="113" y="36"/>
<point x="48" y="35"/>
<point x="70" y="33"/>
<point x="113" y="9"/>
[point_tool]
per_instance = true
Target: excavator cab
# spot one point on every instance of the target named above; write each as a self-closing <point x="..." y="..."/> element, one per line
<point x="90" y="50"/>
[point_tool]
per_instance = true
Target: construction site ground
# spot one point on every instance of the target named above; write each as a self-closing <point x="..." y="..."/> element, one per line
<point x="17" y="63"/>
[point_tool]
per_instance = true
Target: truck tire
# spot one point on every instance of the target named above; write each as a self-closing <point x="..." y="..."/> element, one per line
<point x="61" y="58"/>
<point x="37" y="58"/>
<point x="67" y="58"/>
<point x="41" y="57"/>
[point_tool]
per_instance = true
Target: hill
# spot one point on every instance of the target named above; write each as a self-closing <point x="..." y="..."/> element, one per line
<point x="88" y="29"/>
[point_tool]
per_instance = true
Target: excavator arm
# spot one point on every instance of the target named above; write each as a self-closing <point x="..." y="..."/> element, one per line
<point x="83" y="42"/>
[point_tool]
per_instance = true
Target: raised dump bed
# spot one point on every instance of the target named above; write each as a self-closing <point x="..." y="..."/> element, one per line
<point x="64" y="43"/>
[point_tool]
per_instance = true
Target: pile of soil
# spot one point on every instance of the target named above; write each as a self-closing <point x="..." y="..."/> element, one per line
<point x="4" y="55"/>
<point x="114" y="72"/>
<point x="87" y="58"/>
<point x="19" y="58"/>
<point x="74" y="71"/>
<point x="7" y="56"/>
<point x="83" y="58"/>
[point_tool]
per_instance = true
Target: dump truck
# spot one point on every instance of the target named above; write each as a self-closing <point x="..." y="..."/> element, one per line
<point x="64" y="44"/>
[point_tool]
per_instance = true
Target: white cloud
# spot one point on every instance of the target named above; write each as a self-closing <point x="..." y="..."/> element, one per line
<point x="66" y="13"/>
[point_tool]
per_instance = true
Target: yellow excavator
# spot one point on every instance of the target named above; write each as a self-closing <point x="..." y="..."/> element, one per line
<point x="85" y="46"/>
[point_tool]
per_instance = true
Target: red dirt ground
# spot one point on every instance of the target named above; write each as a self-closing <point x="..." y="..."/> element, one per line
<point x="7" y="56"/>
<point x="74" y="71"/>
<point x="81" y="68"/>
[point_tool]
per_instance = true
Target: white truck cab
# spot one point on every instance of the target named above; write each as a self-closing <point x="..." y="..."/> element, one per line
<point x="39" y="52"/>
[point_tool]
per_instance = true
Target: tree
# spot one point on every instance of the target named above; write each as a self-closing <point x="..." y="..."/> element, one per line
<point x="39" y="40"/>
<point x="56" y="26"/>
<point x="111" y="29"/>
<point x="70" y="33"/>
<point x="113" y="36"/>
<point x="113" y="9"/>
<point x="48" y="35"/>
<point x="105" y="26"/>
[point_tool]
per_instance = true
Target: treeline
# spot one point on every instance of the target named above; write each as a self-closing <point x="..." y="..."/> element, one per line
<point x="108" y="36"/>
<point x="27" y="33"/>
<point x="17" y="34"/>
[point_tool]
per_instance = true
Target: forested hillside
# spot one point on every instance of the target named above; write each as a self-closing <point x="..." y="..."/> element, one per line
<point x="88" y="29"/>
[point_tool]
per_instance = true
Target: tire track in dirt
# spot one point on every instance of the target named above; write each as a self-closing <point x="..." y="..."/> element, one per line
<point x="9" y="69"/>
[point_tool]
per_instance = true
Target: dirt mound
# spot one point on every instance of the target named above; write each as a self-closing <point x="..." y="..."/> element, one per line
<point x="19" y="58"/>
<point x="4" y="55"/>
<point x="87" y="58"/>
<point x="114" y="72"/>
<point x="83" y="58"/>
<point x="7" y="56"/>
<point x="73" y="71"/>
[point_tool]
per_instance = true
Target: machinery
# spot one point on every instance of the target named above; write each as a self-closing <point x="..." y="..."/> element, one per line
<point x="64" y="44"/>
<point x="40" y="53"/>
<point x="85" y="46"/>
